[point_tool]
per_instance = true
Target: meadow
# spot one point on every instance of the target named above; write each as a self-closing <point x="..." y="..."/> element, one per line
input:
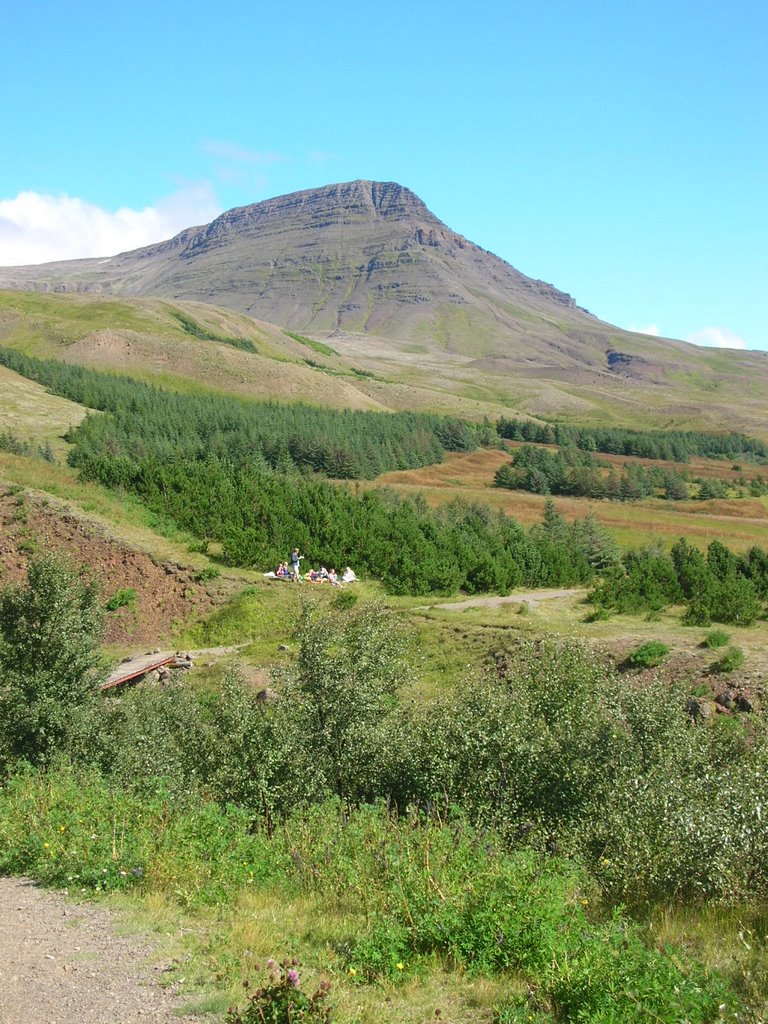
<point x="463" y="810"/>
<point x="738" y="522"/>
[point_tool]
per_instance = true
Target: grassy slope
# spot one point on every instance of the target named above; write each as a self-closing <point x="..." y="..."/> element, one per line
<point x="29" y="412"/>
<point x="143" y="338"/>
<point x="702" y="390"/>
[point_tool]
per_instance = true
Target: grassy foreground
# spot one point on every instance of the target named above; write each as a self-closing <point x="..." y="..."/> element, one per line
<point x="404" y="917"/>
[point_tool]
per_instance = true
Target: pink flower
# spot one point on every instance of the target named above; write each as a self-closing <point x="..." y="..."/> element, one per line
<point x="293" y="977"/>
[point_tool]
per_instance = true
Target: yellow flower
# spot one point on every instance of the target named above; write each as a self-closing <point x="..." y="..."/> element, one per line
<point x="352" y="971"/>
<point x="585" y="902"/>
<point x="400" y="967"/>
<point x="46" y="845"/>
<point x="62" y="828"/>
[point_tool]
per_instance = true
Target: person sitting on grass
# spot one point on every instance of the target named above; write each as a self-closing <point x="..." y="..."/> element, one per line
<point x="282" y="571"/>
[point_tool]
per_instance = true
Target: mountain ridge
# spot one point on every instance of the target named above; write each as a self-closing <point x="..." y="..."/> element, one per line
<point x="366" y="267"/>
<point x="382" y="227"/>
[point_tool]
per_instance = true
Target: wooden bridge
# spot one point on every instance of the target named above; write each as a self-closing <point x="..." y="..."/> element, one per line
<point x="134" y="668"/>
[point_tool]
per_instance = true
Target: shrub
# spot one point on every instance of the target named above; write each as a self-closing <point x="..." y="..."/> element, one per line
<point x="207" y="574"/>
<point x="716" y="638"/>
<point x="647" y="655"/>
<point x="612" y="976"/>
<point x="121" y="599"/>
<point x="50" y="664"/>
<point x="344" y="600"/>
<point x="731" y="661"/>
<point x="280" y="1000"/>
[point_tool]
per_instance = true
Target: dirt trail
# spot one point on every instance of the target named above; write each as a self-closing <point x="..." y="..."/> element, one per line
<point x="531" y="597"/>
<point x="63" y="963"/>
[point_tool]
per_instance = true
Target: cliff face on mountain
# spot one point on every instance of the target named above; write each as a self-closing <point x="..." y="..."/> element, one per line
<point x="361" y="258"/>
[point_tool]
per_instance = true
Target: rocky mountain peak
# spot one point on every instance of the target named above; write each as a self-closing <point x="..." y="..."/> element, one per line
<point x="355" y="203"/>
<point x="356" y="258"/>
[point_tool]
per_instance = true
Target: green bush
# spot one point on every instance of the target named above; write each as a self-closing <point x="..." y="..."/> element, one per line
<point x="121" y="599"/>
<point x="73" y="829"/>
<point x="731" y="661"/>
<point x="210" y="572"/>
<point x="716" y="638"/>
<point x="647" y="655"/>
<point x="50" y="664"/>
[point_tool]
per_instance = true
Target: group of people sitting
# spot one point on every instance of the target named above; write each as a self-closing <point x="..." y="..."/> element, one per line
<point x="290" y="571"/>
<point x="323" y="575"/>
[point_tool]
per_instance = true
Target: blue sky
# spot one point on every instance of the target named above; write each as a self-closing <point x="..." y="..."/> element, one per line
<point x="617" y="150"/>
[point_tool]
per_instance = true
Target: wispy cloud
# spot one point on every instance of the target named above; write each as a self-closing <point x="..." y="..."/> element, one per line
<point x="717" y="337"/>
<point x="36" y="228"/>
<point x="652" y="329"/>
<point x="320" y="156"/>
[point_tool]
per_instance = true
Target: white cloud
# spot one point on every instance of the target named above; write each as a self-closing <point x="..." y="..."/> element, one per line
<point x="652" y="329"/>
<point x="37" y="228"/>
<point x="717" y="337"/>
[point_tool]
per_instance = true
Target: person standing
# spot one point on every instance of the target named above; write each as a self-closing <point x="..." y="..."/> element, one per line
<point x="295" y="563"/>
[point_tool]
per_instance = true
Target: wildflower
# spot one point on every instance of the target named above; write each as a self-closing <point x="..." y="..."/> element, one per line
<point x="400" y="967"/>
<point x="352" y="971"/>
<point x="137" y="872"/>
<point x="293" y="977"/>
<point x="271" y="965"/>
<point x="62" y="828"/>
<point x="46" y="845"/>
<point x="585" y="902"/>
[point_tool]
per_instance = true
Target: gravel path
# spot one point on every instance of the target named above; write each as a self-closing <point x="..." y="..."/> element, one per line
<point x="531" y="597"/>
<point x="63" y="963"/>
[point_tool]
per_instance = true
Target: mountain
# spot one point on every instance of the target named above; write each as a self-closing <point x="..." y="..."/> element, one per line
<point x="367" y="268"/>
<point x="357" y="258"/>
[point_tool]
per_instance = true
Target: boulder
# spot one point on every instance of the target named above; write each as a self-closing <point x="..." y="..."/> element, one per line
<point x="743" y="703"/>
<point x="698" y="709"/>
